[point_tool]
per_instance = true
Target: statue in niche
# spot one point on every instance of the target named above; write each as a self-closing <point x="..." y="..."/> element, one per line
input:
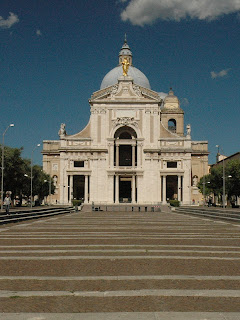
<point x="195" y="181"/>
<point x="125" y="66"/>
<point x="62" y="130"/>
<point x="55" y="179"/>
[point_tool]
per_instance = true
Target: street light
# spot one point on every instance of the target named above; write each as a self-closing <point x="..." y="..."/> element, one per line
<point x="11" y="125"/>
<point x="38" y="145"/>
<point x="224" y="192"/>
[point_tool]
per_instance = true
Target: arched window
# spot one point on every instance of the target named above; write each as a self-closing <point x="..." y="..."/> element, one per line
<point x="172" y="125"/>
<point x="125" y="132"/>
<point x="125" y="135"/>
<point x="125" y="147"/>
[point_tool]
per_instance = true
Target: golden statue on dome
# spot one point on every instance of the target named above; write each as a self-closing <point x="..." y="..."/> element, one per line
<point x="125" y="66"/>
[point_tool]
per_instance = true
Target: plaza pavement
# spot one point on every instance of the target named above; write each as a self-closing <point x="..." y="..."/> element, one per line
<point x="120" y="265"/>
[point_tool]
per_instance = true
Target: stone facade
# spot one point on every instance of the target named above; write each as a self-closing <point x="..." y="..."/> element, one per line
<point x="134" y="149"/>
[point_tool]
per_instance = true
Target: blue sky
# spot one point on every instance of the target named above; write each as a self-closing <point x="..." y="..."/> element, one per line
<point x="54" y="54"/>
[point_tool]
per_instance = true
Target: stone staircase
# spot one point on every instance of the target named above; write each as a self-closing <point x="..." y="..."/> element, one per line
<point x="120" y="265"/>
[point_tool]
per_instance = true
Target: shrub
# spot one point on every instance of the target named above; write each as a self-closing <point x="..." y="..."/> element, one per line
<point x="76" y="203"/>
<point x="174" y="203"/>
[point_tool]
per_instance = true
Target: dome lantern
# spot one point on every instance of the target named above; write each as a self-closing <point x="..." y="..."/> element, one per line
<point x="113" y="75"/>
<point x="125" y="52"/>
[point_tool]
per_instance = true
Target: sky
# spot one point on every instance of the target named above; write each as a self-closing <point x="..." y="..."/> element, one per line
<point x="54" y="55"/>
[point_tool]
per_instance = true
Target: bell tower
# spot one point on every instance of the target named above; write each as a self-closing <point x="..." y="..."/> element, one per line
<point x="172" y="115"/>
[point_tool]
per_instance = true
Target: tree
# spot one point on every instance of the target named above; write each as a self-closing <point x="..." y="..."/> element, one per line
<point x="233" y="178"/>
<point x="17" y="175"/>
<point x="206" y="180"/>
<point x="14" y="169"/>
<point x="41" y="182"/>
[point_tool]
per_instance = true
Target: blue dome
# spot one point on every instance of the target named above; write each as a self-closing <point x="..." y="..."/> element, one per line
<point x="112" y="76"/>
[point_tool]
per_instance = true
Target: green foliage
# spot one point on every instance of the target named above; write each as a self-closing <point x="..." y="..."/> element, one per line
<point x="207" y="181"/>
<point x="174" y="203"/>
<point x="17" y="175"/>
<point x="215" y="179"/>
<point x="14" y="169"/>
<point x="233" y="178"/>
<point x="76" y="202"/>
<point x="41" y="182"/>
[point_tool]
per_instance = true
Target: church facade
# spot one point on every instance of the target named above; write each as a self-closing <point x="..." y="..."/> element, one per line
<point x="135" y="148"/>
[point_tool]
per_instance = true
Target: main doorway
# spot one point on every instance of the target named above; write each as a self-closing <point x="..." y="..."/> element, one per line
<point x="78" y="187"/>
<point x="172" y="187"/>
<point x="125" y="189"/>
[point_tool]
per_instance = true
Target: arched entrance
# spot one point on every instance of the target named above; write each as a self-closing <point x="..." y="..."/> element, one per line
<point x="125" y="157"/>
<point x="125" y="147"/>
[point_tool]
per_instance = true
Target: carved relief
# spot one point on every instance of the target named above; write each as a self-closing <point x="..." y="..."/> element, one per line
<point x="79" y="143"/>
<point x="97" y="110"/>
<point x="114" y="89"/>
<point x="137" y="90"/>
<point x="55" y="167"/>
<point x="124" y="121"/>
<point x="172" y="143"/>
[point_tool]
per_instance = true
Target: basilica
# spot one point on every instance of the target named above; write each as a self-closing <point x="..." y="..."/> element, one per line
<point x="135" y="148"/>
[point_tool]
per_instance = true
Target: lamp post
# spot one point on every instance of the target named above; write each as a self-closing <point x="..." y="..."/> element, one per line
<point x="224" y="191"/>
<point x="38" y="145"/>
<point x="10" y="125"/>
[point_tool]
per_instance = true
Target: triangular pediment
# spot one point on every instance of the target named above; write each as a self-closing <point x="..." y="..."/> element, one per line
<point x="125" y="90"/>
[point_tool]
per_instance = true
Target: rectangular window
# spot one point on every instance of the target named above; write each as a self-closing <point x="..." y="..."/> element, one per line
<point x="78" y="164"/>
<point x="172" y="164"/>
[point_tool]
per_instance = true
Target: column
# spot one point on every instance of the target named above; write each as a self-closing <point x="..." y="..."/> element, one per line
<point x="110" y="184"/>
<point x="133" y="189"/>
<point x="111" y="155"/>
<point x="164" y="186"/>
<point x="133" y="156"/>
<point x="62" y="172"/>
<point x="117" y="156"/>
<point x="65" y="189"/>
<point x="89" y="187"/>
<point x="139" y="151"/>
<point x="179" y="188"/>
<point x="117" y="189"/>
<point x="71" y="188"/>
<point x="86" y="189"/>
<point x="160" y="188"/>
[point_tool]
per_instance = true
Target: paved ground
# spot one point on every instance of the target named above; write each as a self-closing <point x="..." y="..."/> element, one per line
<point x="128" y="265"/>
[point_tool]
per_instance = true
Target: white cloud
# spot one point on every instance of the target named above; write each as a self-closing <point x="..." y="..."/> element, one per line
<point x="219" y="74"/>
<point x="38" y="32"/>
<point x="10" y="21"/>
<point x="141" y="12"/>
